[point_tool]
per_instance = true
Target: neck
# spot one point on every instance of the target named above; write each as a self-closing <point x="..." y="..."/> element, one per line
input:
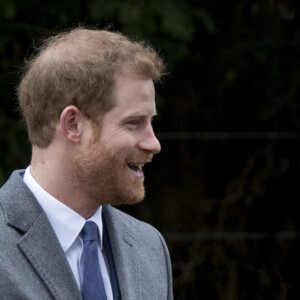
<point x="54" y="172"/>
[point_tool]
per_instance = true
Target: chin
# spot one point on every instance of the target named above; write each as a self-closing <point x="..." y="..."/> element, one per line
<point x="129" y="192"/>
<point x="122" y="194"/>
<point x="131" y="197"/>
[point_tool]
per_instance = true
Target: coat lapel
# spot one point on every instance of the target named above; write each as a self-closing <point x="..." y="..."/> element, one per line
<point x="125" y="254"/>
<point x="39" y="243"/>
<point x="44" y="252"/>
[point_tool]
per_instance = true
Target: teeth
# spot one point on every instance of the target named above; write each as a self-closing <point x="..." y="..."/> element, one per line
<point x="136" y="166"/>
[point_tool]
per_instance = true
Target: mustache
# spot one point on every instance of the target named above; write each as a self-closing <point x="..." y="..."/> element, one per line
<point x="141" y="158"/>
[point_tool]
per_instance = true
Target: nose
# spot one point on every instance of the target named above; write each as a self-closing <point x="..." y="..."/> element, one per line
<point x="149" y="142"/>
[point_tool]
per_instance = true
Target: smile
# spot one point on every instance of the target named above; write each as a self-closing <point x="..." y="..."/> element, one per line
<point x="136" y="169"/>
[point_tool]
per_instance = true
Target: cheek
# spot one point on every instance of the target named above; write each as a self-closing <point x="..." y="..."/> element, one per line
<point x="119" y="144"/>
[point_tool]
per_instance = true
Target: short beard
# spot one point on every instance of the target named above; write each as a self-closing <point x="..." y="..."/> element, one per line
<point x="101" y="174"/>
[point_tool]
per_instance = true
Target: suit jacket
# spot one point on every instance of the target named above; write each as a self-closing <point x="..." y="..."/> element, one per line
<point x="33" y="265"/>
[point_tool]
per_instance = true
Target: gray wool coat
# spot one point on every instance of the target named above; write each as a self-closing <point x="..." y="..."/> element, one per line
<point x="33" y="265"/>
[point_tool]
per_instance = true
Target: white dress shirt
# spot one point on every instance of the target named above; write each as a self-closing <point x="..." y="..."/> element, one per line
<point x="67" y="224"/>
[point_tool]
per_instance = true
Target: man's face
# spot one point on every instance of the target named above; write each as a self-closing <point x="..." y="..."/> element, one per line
<point x="109" y="168"/>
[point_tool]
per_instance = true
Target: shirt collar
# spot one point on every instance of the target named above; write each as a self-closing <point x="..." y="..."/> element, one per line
<point x="67" y="223"/>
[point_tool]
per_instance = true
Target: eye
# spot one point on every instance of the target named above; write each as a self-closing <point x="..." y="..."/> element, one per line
<point x="134" y="124"/>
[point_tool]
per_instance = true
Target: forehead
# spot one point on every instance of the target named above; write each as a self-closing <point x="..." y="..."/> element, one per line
<point x="134" y="94"/>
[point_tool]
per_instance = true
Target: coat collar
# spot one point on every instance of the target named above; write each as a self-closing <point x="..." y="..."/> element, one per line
<point x="38" y="243"/>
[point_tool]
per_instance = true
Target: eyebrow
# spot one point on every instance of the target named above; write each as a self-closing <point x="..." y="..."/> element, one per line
<point x="140" y="115"/>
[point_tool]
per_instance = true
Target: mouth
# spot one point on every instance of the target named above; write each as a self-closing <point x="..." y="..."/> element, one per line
<point x="136" y="169"/>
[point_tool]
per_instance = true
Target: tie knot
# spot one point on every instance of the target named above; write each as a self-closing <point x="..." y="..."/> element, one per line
<point x="90" y="231"/>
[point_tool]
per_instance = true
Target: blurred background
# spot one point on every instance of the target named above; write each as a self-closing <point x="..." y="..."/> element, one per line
<point x="225" y="187"/>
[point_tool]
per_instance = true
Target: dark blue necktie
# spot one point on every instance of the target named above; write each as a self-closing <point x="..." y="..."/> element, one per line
<point x="92" y="283"/>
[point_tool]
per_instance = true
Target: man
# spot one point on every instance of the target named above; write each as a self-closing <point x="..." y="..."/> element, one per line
<point x="88" y="101"/>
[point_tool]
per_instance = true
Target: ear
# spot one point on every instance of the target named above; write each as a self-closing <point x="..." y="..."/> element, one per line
<point x="70" y="123"/>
